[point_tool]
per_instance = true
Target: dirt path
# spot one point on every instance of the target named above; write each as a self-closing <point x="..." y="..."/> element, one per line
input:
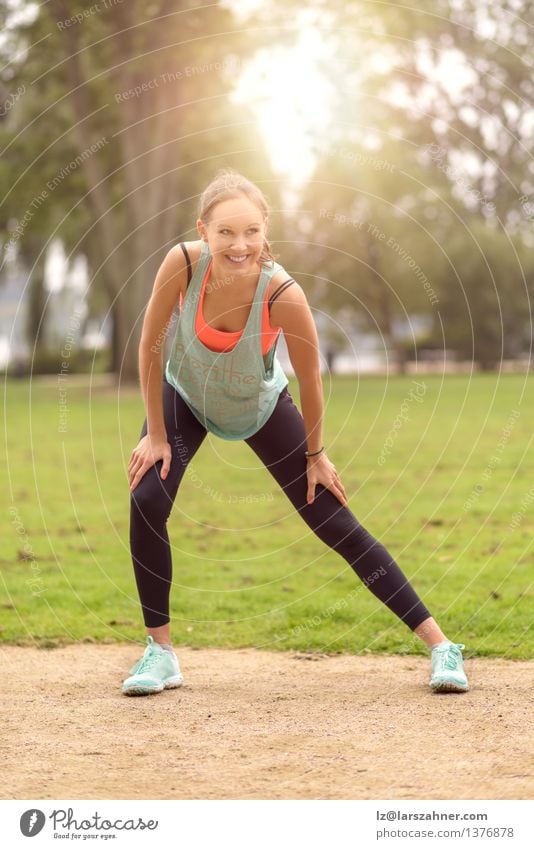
<point x="256" y="725"/>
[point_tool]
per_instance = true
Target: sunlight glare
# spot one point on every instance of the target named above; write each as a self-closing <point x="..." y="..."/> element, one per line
<point x="291" y="98"/>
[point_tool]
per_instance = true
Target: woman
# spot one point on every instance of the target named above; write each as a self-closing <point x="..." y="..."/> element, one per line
<point x="223" y="376"/>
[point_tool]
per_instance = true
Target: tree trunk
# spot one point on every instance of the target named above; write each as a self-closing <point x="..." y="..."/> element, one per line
<point x="129" y="306"/>
<point x="132" y="238"/>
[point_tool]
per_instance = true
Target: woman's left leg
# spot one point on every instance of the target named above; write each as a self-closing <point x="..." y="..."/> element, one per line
<point x="280" y="444"/>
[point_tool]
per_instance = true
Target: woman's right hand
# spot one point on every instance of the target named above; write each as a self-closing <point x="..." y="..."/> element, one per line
<point x="148" y="451"/>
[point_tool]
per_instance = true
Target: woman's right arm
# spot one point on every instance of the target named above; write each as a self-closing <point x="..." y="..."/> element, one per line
<point x="170" y="282"/>
<point x="167" y="287"/>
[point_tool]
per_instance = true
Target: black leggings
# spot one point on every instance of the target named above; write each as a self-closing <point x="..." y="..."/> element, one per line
<point x="280" y="444"/>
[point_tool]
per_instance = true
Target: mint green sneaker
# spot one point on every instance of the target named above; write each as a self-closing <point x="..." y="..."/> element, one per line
<point x="448" y="674"/>
<point x="156" y="671"/>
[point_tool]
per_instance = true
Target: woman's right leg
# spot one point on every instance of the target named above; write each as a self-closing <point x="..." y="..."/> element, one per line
<point x="150" y="506"/>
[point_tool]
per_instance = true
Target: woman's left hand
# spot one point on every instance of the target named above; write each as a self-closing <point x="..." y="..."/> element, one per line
<point x="321" y="470"/>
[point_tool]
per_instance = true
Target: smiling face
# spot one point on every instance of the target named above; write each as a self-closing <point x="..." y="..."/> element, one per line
<point x="235" y="233"/>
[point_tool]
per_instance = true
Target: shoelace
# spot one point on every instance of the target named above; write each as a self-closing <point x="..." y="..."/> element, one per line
<point x="147" y="662"/>
<point x="450" y="656"/>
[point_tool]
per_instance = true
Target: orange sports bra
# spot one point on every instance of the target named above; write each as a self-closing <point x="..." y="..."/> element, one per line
<point x="225" y="340"/>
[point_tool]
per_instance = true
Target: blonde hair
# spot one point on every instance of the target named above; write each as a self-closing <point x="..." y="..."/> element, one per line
<point x="227" y="185"/>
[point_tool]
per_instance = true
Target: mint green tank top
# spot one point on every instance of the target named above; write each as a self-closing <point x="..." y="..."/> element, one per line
<point x="231" y="393"/>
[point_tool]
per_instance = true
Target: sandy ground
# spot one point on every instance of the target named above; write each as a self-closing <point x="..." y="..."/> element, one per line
<point x="251" y="724"/>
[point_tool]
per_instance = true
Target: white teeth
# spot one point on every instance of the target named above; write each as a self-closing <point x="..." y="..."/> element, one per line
<point x="237" y="258"/>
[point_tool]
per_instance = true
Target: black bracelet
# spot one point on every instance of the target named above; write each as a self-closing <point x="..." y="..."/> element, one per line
<point x="313" y="453"/>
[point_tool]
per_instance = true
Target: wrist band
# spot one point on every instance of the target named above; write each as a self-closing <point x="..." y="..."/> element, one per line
<point x="313" y="453"/>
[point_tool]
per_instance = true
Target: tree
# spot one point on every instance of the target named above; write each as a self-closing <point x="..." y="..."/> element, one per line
<point x="427" y="152"/>
<point x="126" y="115"/>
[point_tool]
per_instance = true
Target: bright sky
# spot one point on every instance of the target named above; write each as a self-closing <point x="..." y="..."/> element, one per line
<point x="290" y="97"/>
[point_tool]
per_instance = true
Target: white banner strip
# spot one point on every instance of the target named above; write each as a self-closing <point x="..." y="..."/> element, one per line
<point x="257" y="824"/>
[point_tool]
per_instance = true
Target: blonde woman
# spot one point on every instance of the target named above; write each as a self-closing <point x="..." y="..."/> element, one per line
<point x="223" y="376"/>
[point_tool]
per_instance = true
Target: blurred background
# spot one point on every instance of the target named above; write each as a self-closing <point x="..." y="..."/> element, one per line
<point x="394" y="146"/>
<point x="393" y="143"/>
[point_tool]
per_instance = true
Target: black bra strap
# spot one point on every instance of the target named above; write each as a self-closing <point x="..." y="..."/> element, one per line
<point x="183" y="247"/>
<point x="285" y="285"/>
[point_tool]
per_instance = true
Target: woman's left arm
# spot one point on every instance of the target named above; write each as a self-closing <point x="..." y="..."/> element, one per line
<point x="292" y="313"/>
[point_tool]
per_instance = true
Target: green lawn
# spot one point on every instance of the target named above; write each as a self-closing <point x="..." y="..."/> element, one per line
<point x="247" y="569"/>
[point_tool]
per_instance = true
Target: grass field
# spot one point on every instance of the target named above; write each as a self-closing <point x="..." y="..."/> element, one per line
<point x="440" y="470"/>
